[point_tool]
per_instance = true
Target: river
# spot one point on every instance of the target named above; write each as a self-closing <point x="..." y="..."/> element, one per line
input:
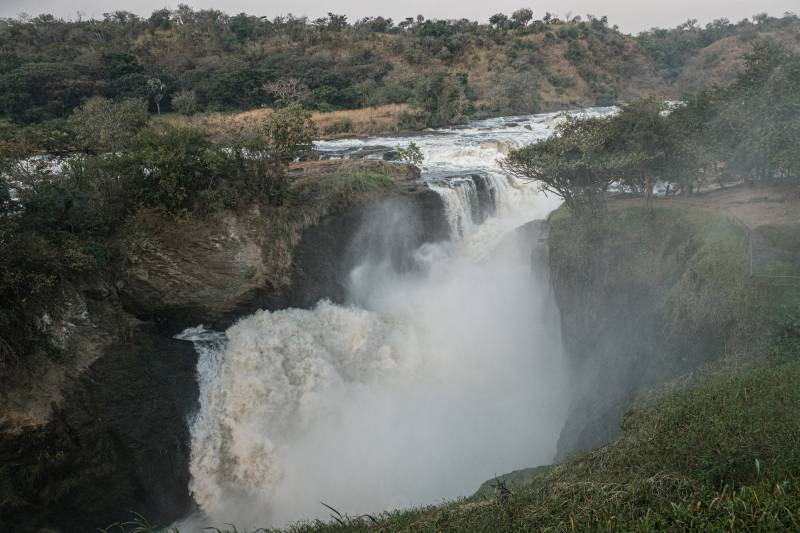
<point x="428" y="383"/>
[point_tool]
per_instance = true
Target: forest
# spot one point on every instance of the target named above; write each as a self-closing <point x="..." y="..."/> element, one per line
<point x="188" y="61"/>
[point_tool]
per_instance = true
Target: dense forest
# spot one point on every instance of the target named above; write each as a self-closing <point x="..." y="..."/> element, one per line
<point x="187" y="61"/>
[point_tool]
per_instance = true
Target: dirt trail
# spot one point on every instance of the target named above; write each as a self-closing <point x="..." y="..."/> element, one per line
<point x="754" y="206"/>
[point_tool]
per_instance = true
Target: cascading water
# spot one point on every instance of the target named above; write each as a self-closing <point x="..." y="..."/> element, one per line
<point x="430" y="382"/>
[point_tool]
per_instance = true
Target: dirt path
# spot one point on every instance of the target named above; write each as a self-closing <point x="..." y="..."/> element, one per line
<point x="752" y="205"/>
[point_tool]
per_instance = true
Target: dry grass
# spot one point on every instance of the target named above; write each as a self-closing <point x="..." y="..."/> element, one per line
<point x="350" y="122"/>
<point x="367" y="121"/>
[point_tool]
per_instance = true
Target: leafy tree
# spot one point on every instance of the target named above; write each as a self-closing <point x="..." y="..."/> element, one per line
<point x="263" y="159"/>
<point x="645" y="147"/>
<point x="444" y="99"/>
<point x="573" y="164"/>
<point x="522" y="16"/>
<point x="100" y="124"/>
<point x="155" y="90"/>
<point x="185" y="102"/>
<point x="168" y="167"/>
<point x="499" y="21"/>
<point x="410" y="154"/>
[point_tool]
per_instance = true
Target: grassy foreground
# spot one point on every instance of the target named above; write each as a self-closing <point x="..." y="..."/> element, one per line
<point x="717" y="450"/>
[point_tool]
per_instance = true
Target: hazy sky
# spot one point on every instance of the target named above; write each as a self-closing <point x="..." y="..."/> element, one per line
<point x="630" y="15"/>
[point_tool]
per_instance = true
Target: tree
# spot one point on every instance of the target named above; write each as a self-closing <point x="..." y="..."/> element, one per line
<point x="155" y="90"/>
<point x="522" y="16"/>
<point x="101" y="124"/>
<point x="185" y="102"/>
<point x="169" y="166"/>
<point x="287" y="91"/>
<point x="572" y="164"/>
<point x="286" y="135"/>
<point x="444" y="99"/>
<point x="646" y="147"/>
<point x="498" y="20"/>
<point x="410" y="154"/>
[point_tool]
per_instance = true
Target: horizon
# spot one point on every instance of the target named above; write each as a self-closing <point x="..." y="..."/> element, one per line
<point x="631" y="17"/>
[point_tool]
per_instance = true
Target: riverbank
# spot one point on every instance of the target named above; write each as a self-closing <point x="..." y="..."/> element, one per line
<point x="391" y="119"/>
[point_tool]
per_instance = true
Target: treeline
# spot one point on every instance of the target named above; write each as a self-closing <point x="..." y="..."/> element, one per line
<point x="670" y="49"/>
<point x="61" y="217"/>
<point x="189" y="60"/>
<point x="747" y="131"/>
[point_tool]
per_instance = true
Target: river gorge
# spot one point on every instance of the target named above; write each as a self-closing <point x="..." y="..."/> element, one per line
<point x="442" y="367"/>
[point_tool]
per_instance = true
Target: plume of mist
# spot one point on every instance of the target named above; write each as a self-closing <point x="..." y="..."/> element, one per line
<point x="443" y="371"/>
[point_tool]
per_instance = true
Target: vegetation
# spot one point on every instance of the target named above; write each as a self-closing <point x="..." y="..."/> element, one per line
<point x="206" y="61"/>
<point x="61" y="214"/>
<point x="671" y="49"/>
<point x="745" y="131"/>
<point x="410" y="154"/>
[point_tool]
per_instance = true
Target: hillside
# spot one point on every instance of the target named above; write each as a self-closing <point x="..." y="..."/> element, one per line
<point x="192" y="61"/>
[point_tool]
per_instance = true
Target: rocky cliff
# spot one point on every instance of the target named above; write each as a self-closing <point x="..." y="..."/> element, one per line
<point x="644" y="297"/>
<point x="85" y="439"/>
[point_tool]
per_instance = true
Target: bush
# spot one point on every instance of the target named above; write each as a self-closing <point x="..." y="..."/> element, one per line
<point x="410" y="154"/>
<point x="342" y="125"/>
<point x="185" y="103"/>
<point x="167" y="167"/>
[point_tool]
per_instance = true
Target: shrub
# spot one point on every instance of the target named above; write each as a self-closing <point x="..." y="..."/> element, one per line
<point x="185" y="102"/>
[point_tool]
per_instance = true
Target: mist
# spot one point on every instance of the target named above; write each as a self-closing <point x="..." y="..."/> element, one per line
<point x="445" y="369"/>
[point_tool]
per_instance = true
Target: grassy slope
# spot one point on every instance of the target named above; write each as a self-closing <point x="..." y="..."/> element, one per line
<point x="716" y="450"/>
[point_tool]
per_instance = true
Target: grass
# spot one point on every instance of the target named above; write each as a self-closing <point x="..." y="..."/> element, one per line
<point x="367" y="121"/>
<point x="785" y="237"/>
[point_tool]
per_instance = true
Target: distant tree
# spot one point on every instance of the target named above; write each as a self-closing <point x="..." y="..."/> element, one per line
<point x="155" y="90"/>
<point x="287" y="91"/>
<point x="444" y="99"/>
<point x="185" y="102"/>
<point x="498" y="20"/>
<point x="410" y="154"/>
<point x="101" y="124"/>
<point x="522" y="16"/>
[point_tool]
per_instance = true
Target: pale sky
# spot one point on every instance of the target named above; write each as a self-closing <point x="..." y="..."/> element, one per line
<point x="631" y="15"/>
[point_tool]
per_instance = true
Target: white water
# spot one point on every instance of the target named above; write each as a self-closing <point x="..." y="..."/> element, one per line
<point x="429" y="384"/>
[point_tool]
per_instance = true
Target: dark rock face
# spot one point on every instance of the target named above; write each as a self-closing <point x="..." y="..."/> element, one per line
<point x="214" y="271"/>
<point x="487" y="200"/>
<point x="634" y="313"/>
<point x="119" y="442"/>
<point x="327" y="251"/>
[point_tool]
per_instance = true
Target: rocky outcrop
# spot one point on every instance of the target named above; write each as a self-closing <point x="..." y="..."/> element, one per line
<point x="212" y="271"/>
<point x="643" y="298"/>
<point x="85" y="438"/>
<point x="104" y="431"/>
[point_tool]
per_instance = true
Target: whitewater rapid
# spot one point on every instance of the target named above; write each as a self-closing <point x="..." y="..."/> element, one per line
<point x="427" y="384"/>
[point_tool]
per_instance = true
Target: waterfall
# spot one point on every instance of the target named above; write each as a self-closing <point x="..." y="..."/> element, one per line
<point x="460" y="202"/>
<point x="441" y="377"/>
